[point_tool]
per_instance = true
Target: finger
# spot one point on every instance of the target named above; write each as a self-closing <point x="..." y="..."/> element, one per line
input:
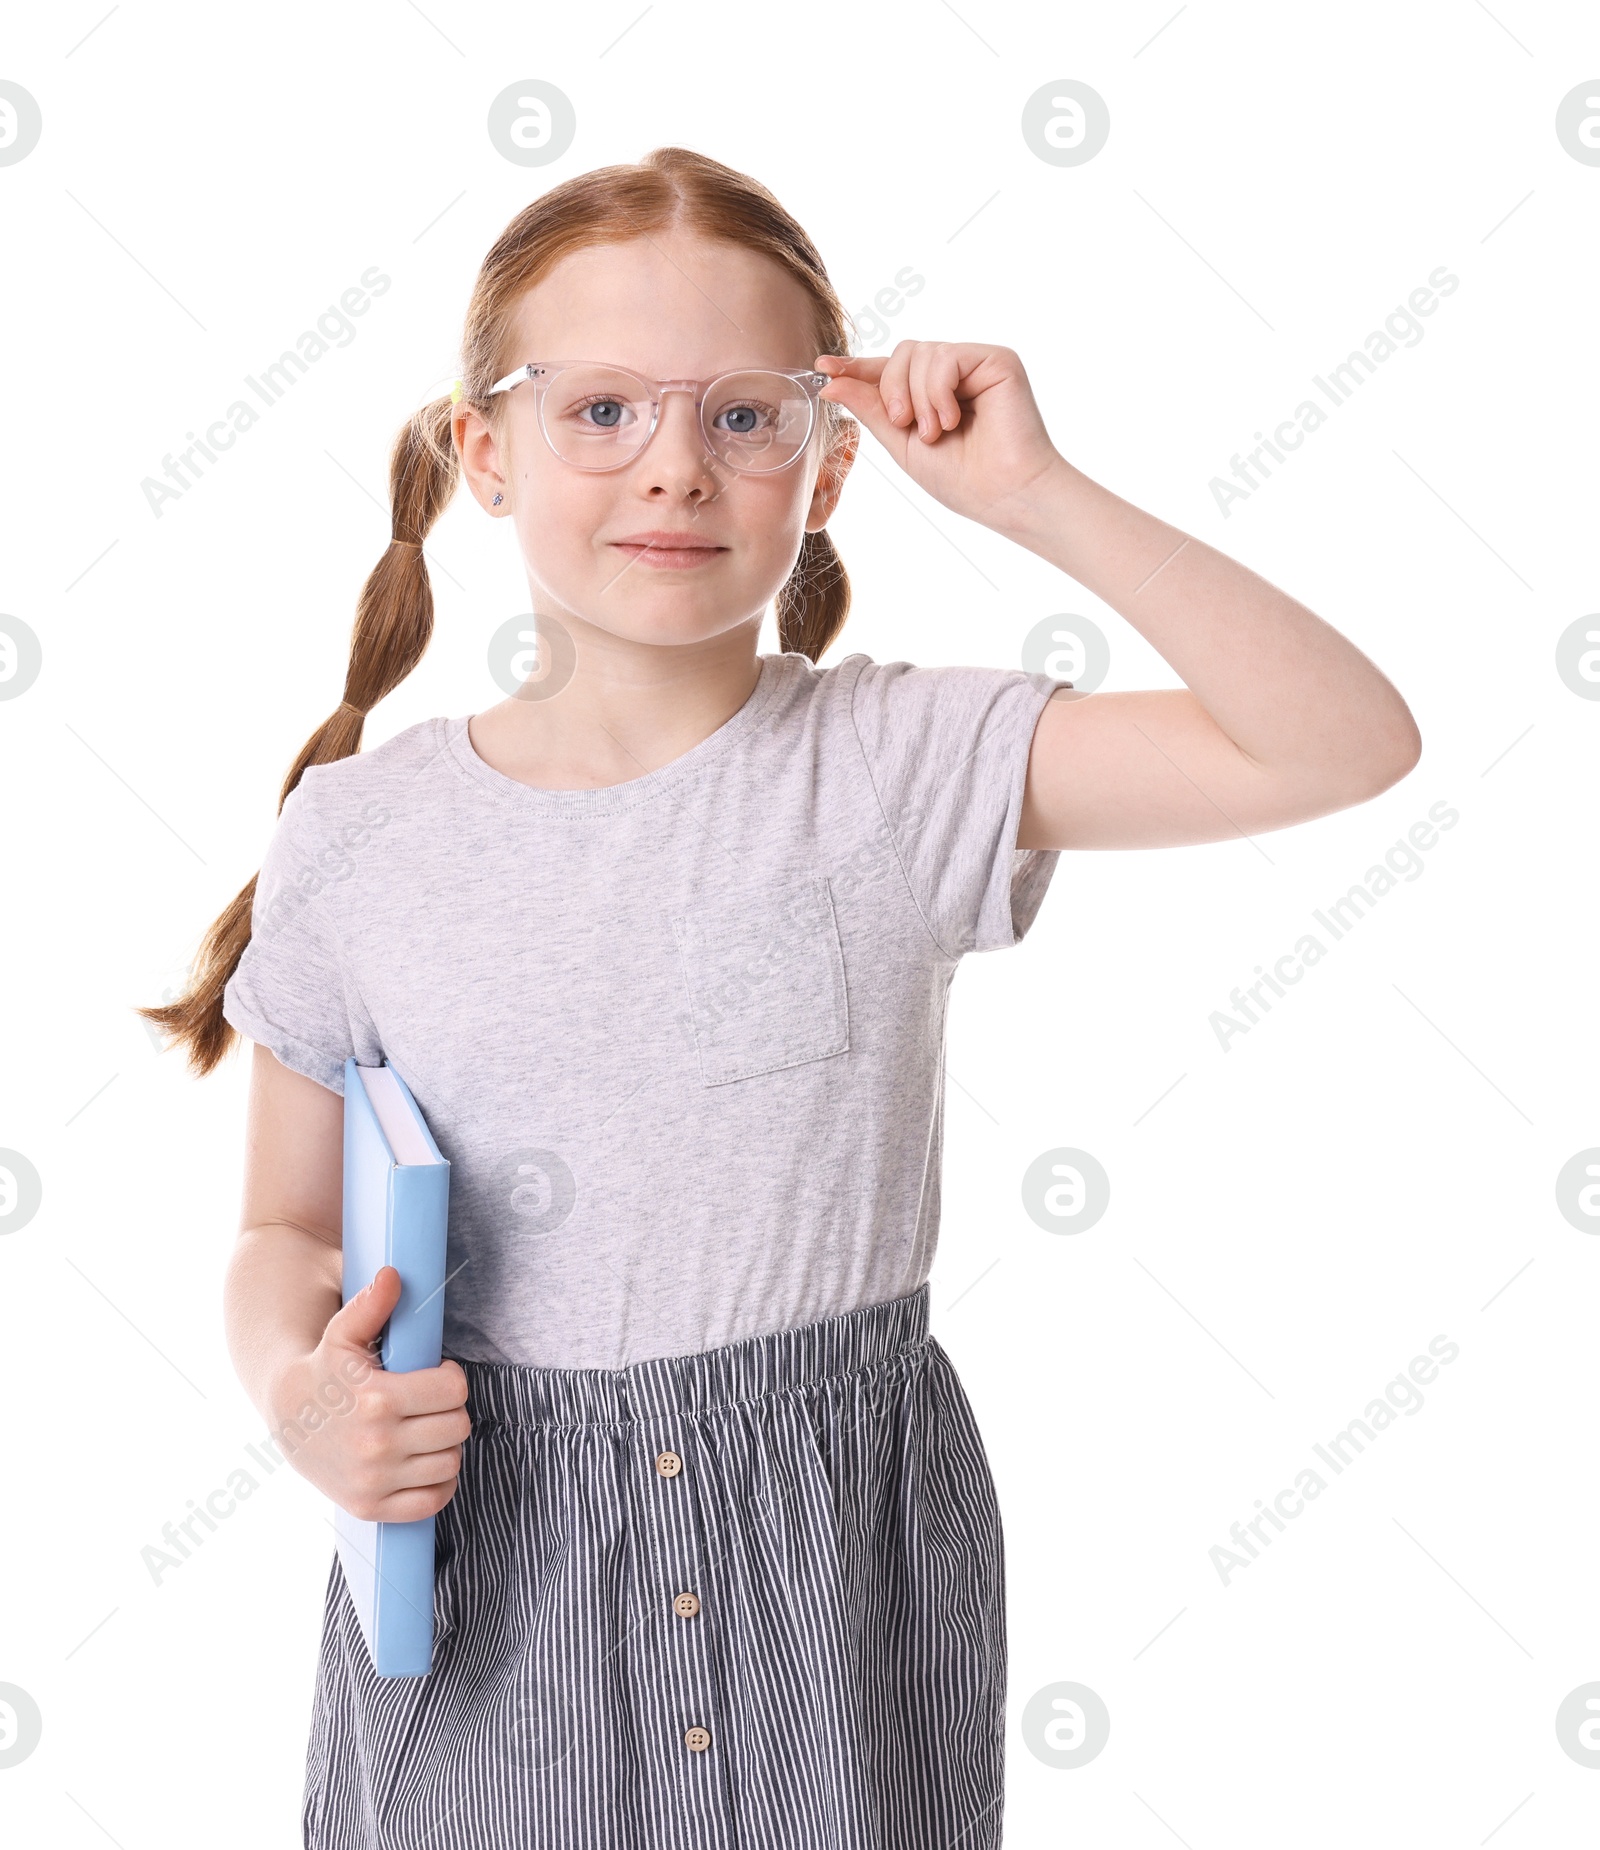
<point x="849" y="379"/>
<point x="394" y="1489"/>
<point x="434" y="1432"/>
<point x="429" y="1390"/>
<point x="855" y="383"/>
<point x="414" y="1505"/>
<point x="864" y="366"/>
<point x="894" y="388"/>
<point x="361" y="1321"/>
<point x="921" y="364"/>
<point x="934" y="375"/>
<point x="943" y="377"/>
<point x="424" y="1469"/>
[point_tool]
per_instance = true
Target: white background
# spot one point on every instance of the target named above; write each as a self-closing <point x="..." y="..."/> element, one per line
<point x="1290" y="1222"/>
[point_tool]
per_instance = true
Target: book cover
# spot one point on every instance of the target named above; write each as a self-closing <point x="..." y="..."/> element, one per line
<point x="396" y="1203"/>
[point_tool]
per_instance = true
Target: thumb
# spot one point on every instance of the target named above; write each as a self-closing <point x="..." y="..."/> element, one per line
<point x="854" y="384"/>
<point x="363" y="1318"/>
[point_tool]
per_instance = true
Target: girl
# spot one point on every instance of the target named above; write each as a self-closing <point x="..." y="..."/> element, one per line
<point x="662" y="944"/>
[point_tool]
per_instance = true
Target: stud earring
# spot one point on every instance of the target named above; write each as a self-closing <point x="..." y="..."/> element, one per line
<point x="497" y="500"/>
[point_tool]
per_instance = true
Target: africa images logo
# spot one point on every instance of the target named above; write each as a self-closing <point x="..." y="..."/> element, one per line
<point x="1401" y="328"/>
<point x="334" y="328"/>
<point x="1402" y="863"/>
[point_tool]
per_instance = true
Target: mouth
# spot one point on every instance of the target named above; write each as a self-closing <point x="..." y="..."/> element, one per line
<point x="668" y="551"/>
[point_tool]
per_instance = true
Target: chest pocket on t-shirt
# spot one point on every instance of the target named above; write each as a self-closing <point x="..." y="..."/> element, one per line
<point x="765" y="976"/>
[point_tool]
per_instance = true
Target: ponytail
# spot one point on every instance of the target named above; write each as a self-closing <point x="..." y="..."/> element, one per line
<point x="394" y="623"/>
<point x="815" y="600"/>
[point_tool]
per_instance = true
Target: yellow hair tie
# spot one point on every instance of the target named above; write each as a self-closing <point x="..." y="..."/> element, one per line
<point x="455" y="393"/>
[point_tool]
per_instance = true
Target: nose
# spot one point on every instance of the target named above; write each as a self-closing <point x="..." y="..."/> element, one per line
<point x="676" y="458"/>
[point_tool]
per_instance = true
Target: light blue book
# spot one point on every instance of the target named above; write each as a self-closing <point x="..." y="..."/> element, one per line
<point x="396" y="1212"/>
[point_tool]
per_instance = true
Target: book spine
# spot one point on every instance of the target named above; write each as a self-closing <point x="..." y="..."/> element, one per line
<point x="415" y="1246"/>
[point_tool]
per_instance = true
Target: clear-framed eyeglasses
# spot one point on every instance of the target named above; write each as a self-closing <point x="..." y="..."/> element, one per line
<point x="598" y="416"/>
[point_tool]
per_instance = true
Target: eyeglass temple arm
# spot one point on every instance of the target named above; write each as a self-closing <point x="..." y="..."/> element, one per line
<point x="523" y="372"/>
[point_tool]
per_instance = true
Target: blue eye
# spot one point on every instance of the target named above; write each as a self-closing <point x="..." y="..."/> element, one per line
<point x="750" y="417"/>
<point x="612" y="408"/>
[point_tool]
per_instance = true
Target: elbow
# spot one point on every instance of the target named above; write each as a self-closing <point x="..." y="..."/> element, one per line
<point x="1399" y="757"/>
<point x="1383" y="767"/>
<point x="1379" y="767"/>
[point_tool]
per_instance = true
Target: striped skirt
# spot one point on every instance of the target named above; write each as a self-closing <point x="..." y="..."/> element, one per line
<point x="747" y="1599"/>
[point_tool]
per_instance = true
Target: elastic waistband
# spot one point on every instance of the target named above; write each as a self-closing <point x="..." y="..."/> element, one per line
<point x="695" y="1383"/>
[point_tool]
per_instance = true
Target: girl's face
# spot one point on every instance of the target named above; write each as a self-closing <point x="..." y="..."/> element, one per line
<point x="670" y="306"/>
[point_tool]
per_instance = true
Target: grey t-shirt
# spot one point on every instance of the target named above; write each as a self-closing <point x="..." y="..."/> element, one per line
<point x="681" y="1039"/>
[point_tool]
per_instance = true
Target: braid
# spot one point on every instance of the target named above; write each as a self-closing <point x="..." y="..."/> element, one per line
<point x="393" y="625"/>
<point x="815" y="598"/>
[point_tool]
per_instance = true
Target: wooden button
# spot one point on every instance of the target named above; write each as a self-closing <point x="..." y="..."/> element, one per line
<point x="686" y="1605"/>
<point x="698" y="1738"/>
<point x="669" y="1464"/>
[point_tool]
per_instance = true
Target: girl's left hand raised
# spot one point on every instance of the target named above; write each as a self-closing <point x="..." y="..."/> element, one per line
<point x="959" y="418"/>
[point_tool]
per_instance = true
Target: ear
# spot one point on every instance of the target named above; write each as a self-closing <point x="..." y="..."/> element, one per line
<point x="479" y="456"/>
<point x="835" y="467"/>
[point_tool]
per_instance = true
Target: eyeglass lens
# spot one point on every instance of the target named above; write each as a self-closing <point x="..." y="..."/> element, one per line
<point x="596" y="418"/>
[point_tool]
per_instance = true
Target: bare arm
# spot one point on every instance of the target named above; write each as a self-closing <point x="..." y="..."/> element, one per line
<point x="1280" y="719"/>
<point x="386" y="1447"/>
<point x="283" y="1285"/>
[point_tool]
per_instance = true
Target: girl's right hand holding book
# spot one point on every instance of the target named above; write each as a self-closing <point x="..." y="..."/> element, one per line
<point x="386" y="1447"/>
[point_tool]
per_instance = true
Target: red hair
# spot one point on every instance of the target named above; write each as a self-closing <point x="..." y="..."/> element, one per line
<point x="670" y="187"/>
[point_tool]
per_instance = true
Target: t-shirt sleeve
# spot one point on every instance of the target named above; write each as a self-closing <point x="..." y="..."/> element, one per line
<point x="290" y="991"/>
<point x="947" y="751"/>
